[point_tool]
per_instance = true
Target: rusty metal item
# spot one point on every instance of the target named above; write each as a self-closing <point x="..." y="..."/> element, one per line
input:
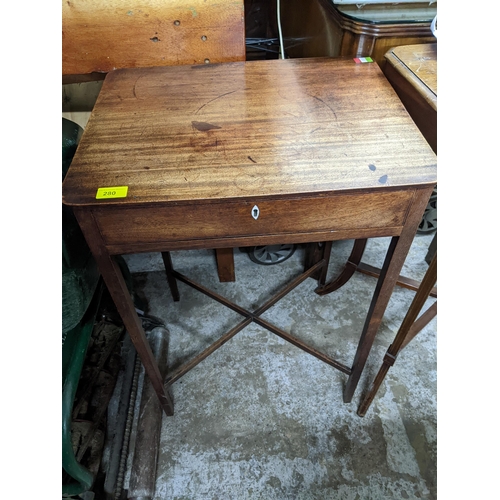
<point x="143" y="473"/>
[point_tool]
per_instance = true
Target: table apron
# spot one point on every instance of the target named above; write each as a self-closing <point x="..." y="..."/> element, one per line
<point x="235" y="223"/>
<point x="250" y="241"/>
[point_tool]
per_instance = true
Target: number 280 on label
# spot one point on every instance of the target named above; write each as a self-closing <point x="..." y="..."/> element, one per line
<point x="112" y="192"/>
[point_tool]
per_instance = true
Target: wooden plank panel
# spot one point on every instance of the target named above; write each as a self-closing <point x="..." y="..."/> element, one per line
<point x="102" y="35"/>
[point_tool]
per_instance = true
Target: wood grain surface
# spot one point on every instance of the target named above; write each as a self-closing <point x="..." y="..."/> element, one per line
<point x="239" y="130"/>
<point x="418" y="65"/>
<point x="102" y="35"/>
<point x="412" y="71"/>
<point x="282" y="216"/>
<point x="249" y="153"/>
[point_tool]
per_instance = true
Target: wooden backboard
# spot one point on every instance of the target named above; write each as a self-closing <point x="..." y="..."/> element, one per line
<point x="102" y="35"/>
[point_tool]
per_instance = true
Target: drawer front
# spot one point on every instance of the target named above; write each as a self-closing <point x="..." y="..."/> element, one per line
<point x="173" y="223"/>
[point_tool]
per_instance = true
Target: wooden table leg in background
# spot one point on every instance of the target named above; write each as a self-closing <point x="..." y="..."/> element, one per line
<point x="407" y="331"/>
<point x="403" y="281"/>
<point x="316" y="252"/>
<point x="225" y="264"/>
<point x="349" y="269"/>
<point x="113" y="278"/>
<point x="169" y="269"/>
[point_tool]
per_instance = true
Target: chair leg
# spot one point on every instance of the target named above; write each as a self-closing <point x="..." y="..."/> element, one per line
<point x="314" y="253"/>
<point x="348" y="271"/>
<point x="172" y="282"/>
<point x="408" y="329"/>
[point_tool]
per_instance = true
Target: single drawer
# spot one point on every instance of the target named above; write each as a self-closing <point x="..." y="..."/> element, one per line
<point x="256" y="217"/>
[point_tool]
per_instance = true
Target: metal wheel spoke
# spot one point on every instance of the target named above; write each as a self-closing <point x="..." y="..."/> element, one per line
<point x="271" y="254"/>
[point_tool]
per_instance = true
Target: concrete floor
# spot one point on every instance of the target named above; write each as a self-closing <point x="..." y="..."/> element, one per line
<point x="261" y="419"/>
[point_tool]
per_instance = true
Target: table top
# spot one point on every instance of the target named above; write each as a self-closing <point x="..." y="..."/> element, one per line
<point x="418" y="63"/>
<point x="239" y="130"/>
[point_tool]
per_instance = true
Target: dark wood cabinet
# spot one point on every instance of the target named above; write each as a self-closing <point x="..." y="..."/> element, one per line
<point x="318" y="28"/>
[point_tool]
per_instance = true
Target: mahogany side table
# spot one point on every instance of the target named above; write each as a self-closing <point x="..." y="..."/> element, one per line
<point x="243" y="154"/>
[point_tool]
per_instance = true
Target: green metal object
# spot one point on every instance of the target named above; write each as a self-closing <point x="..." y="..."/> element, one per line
<point x="81" y="296"/>
<point x="79" y="270"/>
<point x="80" y="278"/>
<point x="74" y="351"/>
